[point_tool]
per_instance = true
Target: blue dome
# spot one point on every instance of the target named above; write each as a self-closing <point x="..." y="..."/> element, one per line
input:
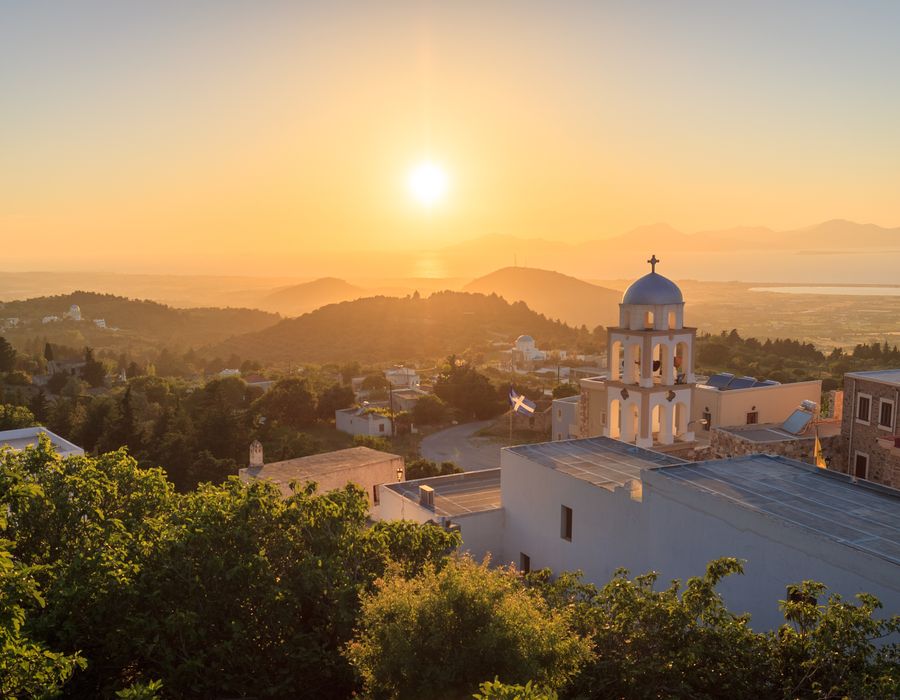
<point x="653" y="290"/>
<point x="524" y="339"/>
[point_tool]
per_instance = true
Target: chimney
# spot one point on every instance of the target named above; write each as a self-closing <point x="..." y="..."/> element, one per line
<point x="426" y="496"/>
<point x="256" y="454"/>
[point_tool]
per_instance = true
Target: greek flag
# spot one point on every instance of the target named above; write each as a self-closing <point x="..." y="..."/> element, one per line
<point x="520" y="404"/>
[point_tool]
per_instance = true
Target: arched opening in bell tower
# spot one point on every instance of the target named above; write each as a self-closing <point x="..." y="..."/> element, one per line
<point x="682" y="362"/>
<point x="614" y="415"/>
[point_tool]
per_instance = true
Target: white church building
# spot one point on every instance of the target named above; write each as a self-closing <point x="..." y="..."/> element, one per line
<point x="607" y="501"/>
<point x="597" y="504"/>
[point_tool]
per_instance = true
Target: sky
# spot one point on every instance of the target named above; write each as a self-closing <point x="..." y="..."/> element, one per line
<point x="209" y="136"/>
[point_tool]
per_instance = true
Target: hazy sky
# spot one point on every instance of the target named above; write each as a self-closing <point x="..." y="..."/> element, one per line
<point x="201" y="135"/>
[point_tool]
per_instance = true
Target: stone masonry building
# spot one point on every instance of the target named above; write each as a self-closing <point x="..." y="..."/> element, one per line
<point x="870" y="428"/>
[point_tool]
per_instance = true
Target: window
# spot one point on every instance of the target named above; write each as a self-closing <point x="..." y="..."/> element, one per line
<point x="559" y="413"/>
<point x="886" y="414"/>
<point x="861" y="465"/>
<point x="381" y="427"/>
<point x="753" y="418"/>
<point x="524" y="563"/>
<point x="565" y="525"/>
<point x="375" y="500"/>
<point x="863" y="407"/>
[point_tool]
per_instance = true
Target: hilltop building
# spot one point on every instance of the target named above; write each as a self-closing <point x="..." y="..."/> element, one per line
<point x="74" y="313"/>
<point x="869" y="428"/>
<point x="21" y="438"/>
<point x="598" y="504"/>
<point x="362" y="466"/>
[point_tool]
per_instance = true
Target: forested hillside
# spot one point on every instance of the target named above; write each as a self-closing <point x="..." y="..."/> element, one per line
<point x="133" y="320"/>
<point x="389" y="329"/>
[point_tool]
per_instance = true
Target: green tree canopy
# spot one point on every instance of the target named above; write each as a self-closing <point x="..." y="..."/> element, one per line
<point x="439" y="635"/>
<point x="13" y="417"/>
<point x="429" y="410"/>
<point x="7" y="356"/>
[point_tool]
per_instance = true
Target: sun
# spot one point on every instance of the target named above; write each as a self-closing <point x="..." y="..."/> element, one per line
<point x="427" y="182"/>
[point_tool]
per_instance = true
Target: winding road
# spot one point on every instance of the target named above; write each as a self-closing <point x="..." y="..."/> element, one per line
<point x="460" y="445"/>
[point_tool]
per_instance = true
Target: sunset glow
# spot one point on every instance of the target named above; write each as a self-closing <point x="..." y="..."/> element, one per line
<point x="428" y="183"/>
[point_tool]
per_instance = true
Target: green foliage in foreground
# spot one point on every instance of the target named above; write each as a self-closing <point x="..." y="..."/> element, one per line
<point x="226" y="591"/>
<point x="495" y="690"/>
<point x="443" y="633"/>
<point x="440" y="634"/>
<point x="112" y="584"/>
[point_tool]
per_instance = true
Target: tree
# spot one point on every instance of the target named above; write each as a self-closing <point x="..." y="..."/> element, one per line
<point x="27" y="668"/>
<point x="94" y="373"/>
<point x="376" y="386"/>
<point x="56" y="382"/>
<point x="349" y="370"/>
<point x="14" y="417"/>
<point x="468" y="391"/>
<point x="229" y="590"/>
<point x="422" y="468"/>
<point x="429" y="410"/>
<point x="333" y="399"/>
<point x="653" y="643"/>
<point x="836" y="649"/>
<point x="372" y="442"/>
<point x="495" y="690"/>
<point x="7" y="356"/>
<point x="407" y="647"/>
<point x="39" y="406"/>
<point x="561" y="391"/>
<point x="289" y="402"/>
<point x="48" y="352"/>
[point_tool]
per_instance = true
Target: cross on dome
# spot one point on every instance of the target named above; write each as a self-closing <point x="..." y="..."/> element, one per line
<point x="653" y="261"/>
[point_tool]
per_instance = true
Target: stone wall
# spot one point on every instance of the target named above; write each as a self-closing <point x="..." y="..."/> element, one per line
<point x="724" y="444"/>
<point x="860" y="436"/>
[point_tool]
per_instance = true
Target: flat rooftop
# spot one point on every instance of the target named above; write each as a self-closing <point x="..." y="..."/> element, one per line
<point x="886" y="376"/>
<point x="601" y="461"/>
<point x="863" y="515"/>
<point x="456" y="494"/>
<point x="773" y="432"/>
<point x="21" y="438"/>
<point x="308" y="468"/>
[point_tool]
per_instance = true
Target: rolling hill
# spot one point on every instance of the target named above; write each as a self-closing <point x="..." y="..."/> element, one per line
<point x="553" y="294"/>
<point x="135" y="321"/>
<point x="390" y="329"/>
<point x="308" y="296"/>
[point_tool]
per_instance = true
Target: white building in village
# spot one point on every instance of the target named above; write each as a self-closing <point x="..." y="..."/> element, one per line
<point x="598" y="504"/>
<point x="402" y="378"/>
<point x="362" y="421"/>
<point x="525" y="351"/>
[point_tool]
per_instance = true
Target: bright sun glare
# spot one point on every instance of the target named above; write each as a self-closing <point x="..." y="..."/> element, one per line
<point x="427" y="183"/>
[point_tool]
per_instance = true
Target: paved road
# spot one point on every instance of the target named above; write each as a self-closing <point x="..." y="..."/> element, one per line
<point x="459" y="444"/>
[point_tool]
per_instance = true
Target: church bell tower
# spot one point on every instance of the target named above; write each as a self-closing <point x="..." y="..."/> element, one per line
<point x="651" y="365"/>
